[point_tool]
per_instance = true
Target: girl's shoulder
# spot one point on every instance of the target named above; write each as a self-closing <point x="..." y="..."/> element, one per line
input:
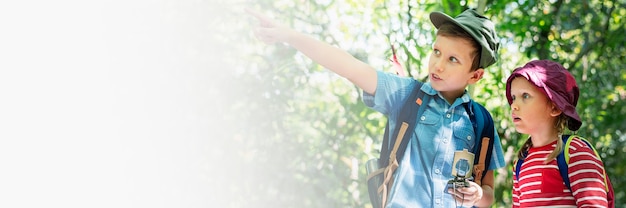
<point x="576" y="143"/>
<point x="579" y="148"/>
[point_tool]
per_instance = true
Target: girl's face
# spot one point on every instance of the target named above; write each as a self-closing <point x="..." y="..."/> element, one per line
<point x="449" y="66"/>
<point x="531" y="110"/>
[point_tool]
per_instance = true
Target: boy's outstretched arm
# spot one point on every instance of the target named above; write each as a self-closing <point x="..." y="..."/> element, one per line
<point x="331" y="57"/>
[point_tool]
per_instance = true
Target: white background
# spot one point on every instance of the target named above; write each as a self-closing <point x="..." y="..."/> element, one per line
<point x="108" y="104"/>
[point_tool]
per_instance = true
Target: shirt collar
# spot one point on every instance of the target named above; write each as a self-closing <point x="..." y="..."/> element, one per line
<point x="428" y="89"/>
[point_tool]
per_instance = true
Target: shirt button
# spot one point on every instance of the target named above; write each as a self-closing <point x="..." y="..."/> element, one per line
<point x="438" y="201"/>
<point x="469" y="137"/>
<point x="445" y="141"/>
<point x="423" y="118"/>
<point x="448" y="115"/>
<point x="437" y="171"/>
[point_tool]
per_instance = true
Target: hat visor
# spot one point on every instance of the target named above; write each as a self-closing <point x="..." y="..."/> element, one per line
<point x="438" y="18"/>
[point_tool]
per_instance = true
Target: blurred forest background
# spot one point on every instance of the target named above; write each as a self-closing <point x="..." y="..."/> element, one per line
<point x="297" y="135"/>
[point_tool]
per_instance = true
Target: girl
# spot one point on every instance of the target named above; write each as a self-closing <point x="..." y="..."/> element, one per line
<point x="543" y="97"/>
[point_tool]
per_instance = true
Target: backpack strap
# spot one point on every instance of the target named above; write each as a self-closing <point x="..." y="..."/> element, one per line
<point x="482" y="122"/>
<point x="409" y="113"/>
<point x="389" y="160"/>
<point x="518" y="166"/>
<point x="563" y="159"/>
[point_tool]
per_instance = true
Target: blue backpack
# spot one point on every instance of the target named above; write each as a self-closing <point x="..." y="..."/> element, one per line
<point x="482" y="123"/>
<point x="479" y="116"/>
<point x="563" y="161"/>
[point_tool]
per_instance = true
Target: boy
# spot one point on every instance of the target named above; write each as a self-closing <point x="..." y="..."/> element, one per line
<point x="464" y="46"/>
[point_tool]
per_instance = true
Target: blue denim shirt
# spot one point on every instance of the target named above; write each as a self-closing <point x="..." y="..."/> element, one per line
<point x="443" y="129"/>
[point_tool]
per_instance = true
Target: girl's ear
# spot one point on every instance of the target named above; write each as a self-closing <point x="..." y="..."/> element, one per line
<point x="555" y="110"/>
<point x="476" y="75"/>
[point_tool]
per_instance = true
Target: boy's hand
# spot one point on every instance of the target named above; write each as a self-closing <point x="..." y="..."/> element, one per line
<point x="467" y="196"/>
<point x="269" y="31"/>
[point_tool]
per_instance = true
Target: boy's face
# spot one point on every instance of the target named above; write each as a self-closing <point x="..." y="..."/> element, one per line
<point x="531" y="110"/>
<point x="449" y="66"/>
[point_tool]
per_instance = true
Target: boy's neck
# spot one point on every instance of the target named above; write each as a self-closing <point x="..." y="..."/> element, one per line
<point x="450" y="97"/>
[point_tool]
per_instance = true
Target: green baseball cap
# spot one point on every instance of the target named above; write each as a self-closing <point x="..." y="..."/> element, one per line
<point x="479" y="27"/>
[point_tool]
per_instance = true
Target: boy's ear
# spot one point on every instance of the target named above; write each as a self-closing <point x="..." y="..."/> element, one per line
<point x="476" y="75"/>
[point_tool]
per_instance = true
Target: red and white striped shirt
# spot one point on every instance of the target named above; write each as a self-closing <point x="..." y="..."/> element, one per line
<point x="541" y="185"/>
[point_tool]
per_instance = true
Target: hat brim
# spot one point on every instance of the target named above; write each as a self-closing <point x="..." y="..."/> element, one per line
<point x="438" y="18"/>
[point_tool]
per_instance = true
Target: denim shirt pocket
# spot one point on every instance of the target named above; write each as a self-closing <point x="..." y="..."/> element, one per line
<point x="464" y="139"/>
<point x="428" y="118"/>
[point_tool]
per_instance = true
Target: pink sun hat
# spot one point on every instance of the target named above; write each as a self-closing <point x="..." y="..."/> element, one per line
<point x="556" y="83"/>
